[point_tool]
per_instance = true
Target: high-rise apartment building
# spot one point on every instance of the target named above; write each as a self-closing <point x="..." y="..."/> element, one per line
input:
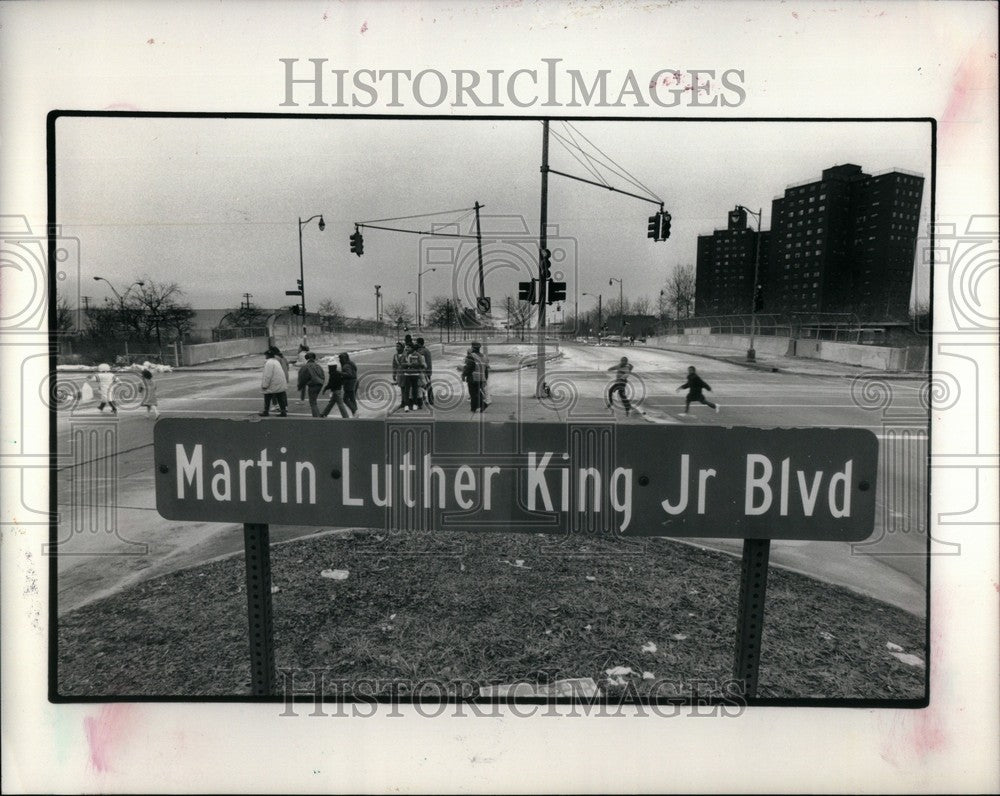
<point x="845" y="243"/>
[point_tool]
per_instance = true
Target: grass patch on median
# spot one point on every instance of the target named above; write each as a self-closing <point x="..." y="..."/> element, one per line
<point x="489" y="608"/>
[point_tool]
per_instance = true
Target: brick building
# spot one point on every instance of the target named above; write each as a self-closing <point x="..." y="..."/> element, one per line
<point x="845" y="243"/>
<point x="725" y="266"/>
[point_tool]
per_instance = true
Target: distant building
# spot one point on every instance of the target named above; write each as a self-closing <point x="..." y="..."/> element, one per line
<point x="725" y="267"/>
<point x="845" y="243"/>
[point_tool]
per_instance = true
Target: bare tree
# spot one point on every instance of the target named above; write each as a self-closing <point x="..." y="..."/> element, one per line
<point x="246" y="316"/>
<point x="640" y="306"/>
<point x="157" y="307"/>
<point x="65" y="322"/>
<point x="332" y="313"/>
<point x="519" y="313"/>
<point x="679" y="291"/>
<point x="399" y="311"/>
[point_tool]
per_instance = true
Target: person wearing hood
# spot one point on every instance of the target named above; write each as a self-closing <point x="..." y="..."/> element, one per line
<point x="274" y="385"/>
<point x="311" y="378"/>
<point x="106" y="380"/>
<point x="350" y="371"/>
<point x="335" y="386"/>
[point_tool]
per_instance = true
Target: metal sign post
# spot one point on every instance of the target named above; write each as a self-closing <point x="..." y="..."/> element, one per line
<point x="257" y="551"/>
<point x="750" y="618"/>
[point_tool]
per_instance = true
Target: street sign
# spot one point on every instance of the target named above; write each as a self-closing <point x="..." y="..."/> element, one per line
<point x="293" y="292"/>
<point x="632" y="480"/>
<point x="483" y="302"/>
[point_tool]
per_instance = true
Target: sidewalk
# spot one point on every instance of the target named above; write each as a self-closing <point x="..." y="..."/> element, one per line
<point x="796" y="366"/>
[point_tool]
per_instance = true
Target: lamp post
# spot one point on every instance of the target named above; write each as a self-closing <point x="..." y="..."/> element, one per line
<point x="302" y="276"/>
<point x="751" y="353"/>
<point x="121" y="300"/>
<point x="420" y="297"/>
<point x="621" y="306"/>
<point x="600" y="299"/>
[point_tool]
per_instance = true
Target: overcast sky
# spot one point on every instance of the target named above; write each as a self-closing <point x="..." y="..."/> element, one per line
<point x="213" y="204"/>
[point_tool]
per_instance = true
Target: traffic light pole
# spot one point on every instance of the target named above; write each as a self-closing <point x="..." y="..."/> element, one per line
<point x="542" y="246"/>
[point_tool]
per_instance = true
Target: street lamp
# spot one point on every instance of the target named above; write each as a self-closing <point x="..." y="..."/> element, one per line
<point x="420" y="296"/>
<point x="121" y="298"/>
<point x="302" y="276"/>
<point x="121" y="302"/>
<point x="751" y="353"/>
<point x="621" y="306"/>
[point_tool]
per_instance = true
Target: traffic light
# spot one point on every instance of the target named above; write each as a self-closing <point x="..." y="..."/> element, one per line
<point x="299" y="283"/>
<point x="557" y="292"/>
<point x="296" y="309"/>
<point x="654" y="227"/>
<point x="357" y="243"/>
<point x="526" y="291"/>
<point x="664" y="225"/>
<point x="545" y="264"/>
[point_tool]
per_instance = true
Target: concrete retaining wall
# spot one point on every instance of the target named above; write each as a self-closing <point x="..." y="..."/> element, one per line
<point x="726" y="343"/>
<point x="322" y="343"/>
<point x="865" y="356"/>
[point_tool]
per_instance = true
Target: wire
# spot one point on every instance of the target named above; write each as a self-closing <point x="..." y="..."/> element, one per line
<point x="590" y="160"/>
<point x="418" y="215"/>
<point x="617" y="168"/>
<point x="596" y="174"/>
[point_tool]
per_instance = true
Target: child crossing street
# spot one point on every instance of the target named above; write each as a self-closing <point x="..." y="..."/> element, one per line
<point x="694" y="385"/>
<point x="620" y="384"/>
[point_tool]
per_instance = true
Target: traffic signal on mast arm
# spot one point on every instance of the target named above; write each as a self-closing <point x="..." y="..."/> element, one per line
<point x="526" y="291"/>
<point x="654" y="227"/>
<point x="357" y="243"/>
<point x="557" y="291"/>
<point x="664" y="225"/>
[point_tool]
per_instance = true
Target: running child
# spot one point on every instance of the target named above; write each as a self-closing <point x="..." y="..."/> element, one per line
<point x="106" y="381"/>
<point x="619" y="385"/>
<point x="694" y="385"/>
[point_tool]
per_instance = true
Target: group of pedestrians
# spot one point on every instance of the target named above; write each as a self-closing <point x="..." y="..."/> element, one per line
<point x="341" y="382"/>
<point x="412" y="366"/>
<point x="104" y="386"/>
<point x="694" y="384"/>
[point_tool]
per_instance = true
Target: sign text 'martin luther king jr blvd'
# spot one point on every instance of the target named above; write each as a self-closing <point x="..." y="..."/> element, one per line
<point x="632" y="480"/>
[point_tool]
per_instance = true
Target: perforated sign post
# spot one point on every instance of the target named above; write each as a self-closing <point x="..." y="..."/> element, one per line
<point x="561" y="478"/>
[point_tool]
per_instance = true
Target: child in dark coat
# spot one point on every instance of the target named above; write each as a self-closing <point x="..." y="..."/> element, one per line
<point x="694" y="385"/>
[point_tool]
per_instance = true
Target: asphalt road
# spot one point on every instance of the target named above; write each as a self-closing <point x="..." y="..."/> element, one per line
<point x="890" y="566"/>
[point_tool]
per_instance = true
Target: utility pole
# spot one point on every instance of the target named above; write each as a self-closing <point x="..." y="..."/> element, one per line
<point x="86" y="312"/>
<point x="479" y="246"/>
<point x="378" y="298"/>
<point x="542" y="247"/>
<point x="247" y="297"/>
